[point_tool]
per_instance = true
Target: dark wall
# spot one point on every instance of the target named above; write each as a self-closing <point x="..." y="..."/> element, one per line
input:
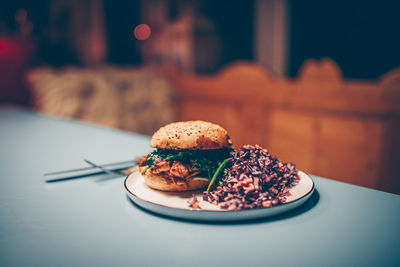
<point x="235" y="25"/>
<point x="121" y="17"/>
<point x="361" y="36"/>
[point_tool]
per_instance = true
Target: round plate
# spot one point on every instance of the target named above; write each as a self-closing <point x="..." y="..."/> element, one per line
<point x="175" y="204"/>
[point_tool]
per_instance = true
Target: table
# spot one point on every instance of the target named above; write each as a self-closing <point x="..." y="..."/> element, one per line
<point x="91" y="222"/>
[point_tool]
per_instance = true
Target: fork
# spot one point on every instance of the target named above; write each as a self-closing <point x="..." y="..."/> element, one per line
<point x="119" y="171"/>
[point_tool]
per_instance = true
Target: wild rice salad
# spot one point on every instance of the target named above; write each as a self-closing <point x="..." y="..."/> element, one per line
<point x="253" y="178"/>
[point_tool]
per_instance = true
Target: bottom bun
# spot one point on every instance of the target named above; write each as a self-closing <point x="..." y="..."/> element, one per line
<point x="172" y="184"/>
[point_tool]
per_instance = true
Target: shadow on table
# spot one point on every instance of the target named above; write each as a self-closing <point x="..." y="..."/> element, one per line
<point x="311" y="203"/>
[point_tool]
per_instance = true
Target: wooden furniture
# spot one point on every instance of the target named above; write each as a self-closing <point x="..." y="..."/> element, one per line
<point x="328" y="126"/>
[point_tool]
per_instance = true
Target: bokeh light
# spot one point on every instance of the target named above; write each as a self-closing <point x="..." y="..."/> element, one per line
<point x="142" y="32"/>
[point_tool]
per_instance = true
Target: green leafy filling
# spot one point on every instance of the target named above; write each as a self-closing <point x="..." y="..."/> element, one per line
<point x="206" y="161"/>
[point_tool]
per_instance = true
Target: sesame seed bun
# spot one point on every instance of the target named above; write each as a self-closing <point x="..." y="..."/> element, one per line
<point x="168" y="183"/>
<point x="191" y="135"/>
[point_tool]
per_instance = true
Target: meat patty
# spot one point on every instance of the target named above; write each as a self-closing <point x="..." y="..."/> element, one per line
<point x="178" y="170"/>
<point x="159" y="167"/>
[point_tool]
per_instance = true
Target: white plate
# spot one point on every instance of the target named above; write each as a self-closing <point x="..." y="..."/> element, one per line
<point x="175" y="204"/>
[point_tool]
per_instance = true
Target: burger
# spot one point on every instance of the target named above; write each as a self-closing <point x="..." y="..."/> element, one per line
<point x="188" y="155"/>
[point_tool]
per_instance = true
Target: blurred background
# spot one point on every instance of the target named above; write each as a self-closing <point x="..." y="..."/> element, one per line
<point x="316" y="82"/>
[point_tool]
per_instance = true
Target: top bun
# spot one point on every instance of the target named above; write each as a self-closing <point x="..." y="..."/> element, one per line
<point x="191" y="135"/>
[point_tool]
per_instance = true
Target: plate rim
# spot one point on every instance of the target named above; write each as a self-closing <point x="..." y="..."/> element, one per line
<point x="222" y="210"/>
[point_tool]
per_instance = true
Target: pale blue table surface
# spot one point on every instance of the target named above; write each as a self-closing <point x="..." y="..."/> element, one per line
<point x="91" y="222"/>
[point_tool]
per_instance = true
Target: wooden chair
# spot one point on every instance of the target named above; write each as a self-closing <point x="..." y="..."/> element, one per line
<point x="343" y="129"/>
